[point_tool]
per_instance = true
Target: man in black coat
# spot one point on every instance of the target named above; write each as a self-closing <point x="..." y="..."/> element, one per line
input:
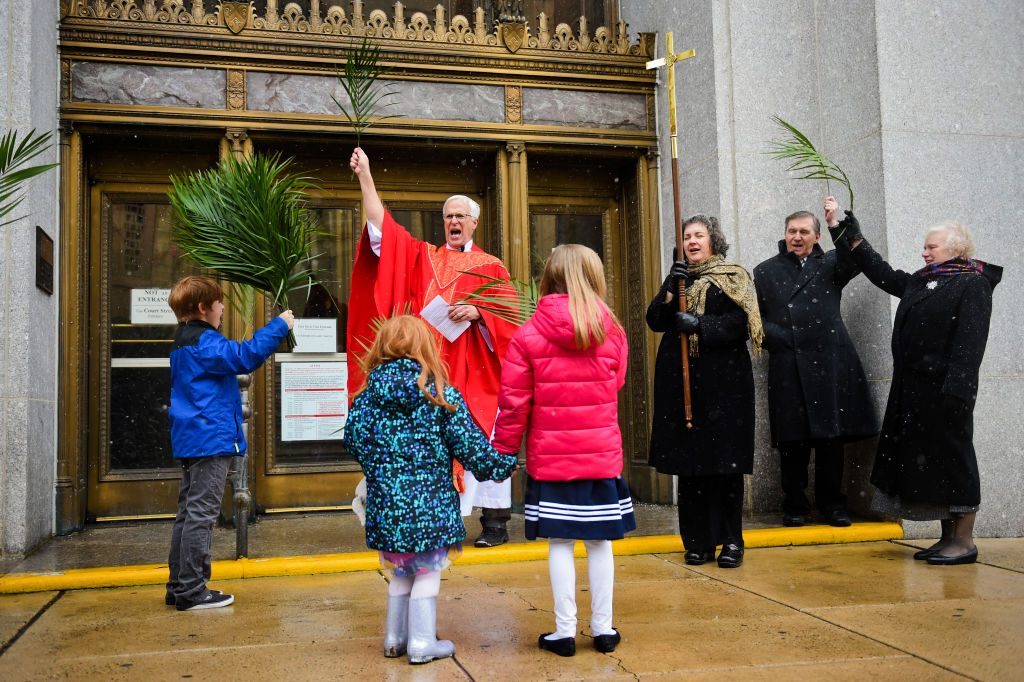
<point x="818" y="396"/>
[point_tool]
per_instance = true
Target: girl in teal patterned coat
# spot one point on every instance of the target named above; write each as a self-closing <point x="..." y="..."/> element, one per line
<point x="405" y="427"/>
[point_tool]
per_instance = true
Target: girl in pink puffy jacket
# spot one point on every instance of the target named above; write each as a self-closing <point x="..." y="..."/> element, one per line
<point x="559" y="387"/>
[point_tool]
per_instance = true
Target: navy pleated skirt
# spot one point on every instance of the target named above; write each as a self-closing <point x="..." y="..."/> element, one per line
<point x="600" y="509"/>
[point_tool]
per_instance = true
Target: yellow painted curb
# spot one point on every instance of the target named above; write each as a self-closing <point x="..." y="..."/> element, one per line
<point x="156" y="574"/>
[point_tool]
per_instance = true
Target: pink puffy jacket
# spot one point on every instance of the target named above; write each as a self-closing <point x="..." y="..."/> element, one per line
<point x="563" y="398"/>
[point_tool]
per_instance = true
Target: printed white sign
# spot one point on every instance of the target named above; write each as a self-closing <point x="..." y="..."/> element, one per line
<point x="314" y="400"/>
<point x="149" y="306"/>
<point x="316" y="335"/>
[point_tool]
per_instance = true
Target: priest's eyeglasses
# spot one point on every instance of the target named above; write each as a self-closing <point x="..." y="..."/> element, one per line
<point x="456" y="216"/>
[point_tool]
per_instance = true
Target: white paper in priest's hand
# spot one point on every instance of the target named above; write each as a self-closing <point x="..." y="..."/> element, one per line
<point x="436" y="313"/>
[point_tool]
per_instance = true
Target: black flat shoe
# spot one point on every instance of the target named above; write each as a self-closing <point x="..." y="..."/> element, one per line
<point x="794" y="520"/>
<point x="607" y="643"/>
<point x="731" y="556"/>
<point x="968" y="557"/>
<point x="566" y="646"/>
<point x="923" y="554"/>
<point x="839" y="518"/>
<point x="693" y="558"/>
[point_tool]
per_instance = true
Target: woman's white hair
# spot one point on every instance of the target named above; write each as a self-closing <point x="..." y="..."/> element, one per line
<point x="474" y="208"/>
<point x="959" y="239"/>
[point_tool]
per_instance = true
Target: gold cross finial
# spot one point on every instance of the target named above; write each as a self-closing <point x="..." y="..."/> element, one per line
<point x="669" y="60"/>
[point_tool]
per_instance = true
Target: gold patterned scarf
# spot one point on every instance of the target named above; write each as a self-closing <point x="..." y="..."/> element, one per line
<point x="735" y="282"/>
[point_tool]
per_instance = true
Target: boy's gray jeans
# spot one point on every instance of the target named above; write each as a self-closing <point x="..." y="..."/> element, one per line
<point x="199" y="498"/>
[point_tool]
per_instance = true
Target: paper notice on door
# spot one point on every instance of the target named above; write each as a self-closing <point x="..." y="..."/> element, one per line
<point x="436" y="313"/>
<point x="314" y="400"/>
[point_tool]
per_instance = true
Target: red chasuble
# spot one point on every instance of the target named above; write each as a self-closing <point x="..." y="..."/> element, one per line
<point x="407" y="275"/>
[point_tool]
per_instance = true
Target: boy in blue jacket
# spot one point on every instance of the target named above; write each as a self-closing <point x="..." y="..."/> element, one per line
<point x="206" y="427"/>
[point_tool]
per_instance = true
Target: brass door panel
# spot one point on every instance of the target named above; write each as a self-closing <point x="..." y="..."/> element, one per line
<point x="133" y="265"/>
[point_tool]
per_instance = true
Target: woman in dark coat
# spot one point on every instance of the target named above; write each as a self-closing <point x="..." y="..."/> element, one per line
<point x="926" y="468"/>
<point x="711" y="458"/>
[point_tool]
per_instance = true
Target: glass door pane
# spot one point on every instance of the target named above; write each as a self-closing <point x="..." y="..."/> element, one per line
<point x="142" y="265"/>
<point x="554" y="225"/>
<point x="302" y="437"/>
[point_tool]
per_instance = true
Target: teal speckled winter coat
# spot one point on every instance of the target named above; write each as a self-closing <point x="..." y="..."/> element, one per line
<point x="406" y="445"/>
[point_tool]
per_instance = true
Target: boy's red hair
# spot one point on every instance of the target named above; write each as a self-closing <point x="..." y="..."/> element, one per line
<point x="189" y="292"/>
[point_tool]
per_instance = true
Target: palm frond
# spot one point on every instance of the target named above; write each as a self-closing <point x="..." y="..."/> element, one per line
<point x="14" y="154"/>
<point x="805" y="159"/>
<point x="242" y="300"/>
<point x="247" y="222"/>
<point x="367" y="96"/>
<point x="511" y="300"/>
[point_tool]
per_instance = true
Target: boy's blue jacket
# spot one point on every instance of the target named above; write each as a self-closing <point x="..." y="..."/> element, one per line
<point x="405" y="445"/>
<point x="206" y="405"/>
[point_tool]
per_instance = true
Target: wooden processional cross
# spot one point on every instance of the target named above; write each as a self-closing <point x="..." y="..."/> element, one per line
<point x="669" y="61"/>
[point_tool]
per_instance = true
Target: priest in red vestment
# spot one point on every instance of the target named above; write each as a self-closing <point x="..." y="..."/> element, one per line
<point x="394" y="273"/>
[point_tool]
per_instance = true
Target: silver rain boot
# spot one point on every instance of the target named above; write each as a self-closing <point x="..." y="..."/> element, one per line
<point x="424" y="646"/>
<point x="396" y="628"/>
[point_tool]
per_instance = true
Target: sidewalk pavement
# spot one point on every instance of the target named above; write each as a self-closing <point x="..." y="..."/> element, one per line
<point x="844" y="611"/>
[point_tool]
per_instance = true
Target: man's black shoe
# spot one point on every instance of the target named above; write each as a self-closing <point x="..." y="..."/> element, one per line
<point x="492" y="537"/>
<point x="794" y="520"/>
<point x="839" y="518"/>
<point x="693" y="558"/>
<point x="731" y="556"/>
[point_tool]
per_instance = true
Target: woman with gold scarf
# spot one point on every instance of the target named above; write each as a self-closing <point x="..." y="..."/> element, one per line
<point x="711" y="458"/>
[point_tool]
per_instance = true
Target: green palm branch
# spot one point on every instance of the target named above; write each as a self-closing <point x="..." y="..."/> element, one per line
<point x="367" y="96"/>
<point x="14" y="154"/>
<point x="805" y="159"/>
<point x="511" y="300"/>
<point x="246" y="221"/>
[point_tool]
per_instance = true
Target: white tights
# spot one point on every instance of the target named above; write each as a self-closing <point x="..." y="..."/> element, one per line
<point x="417" y="587"/>
<point x="601" y="570"/>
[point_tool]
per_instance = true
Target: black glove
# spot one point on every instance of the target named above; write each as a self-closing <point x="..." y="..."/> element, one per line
<point x="677" y="272"/>
<point x="848" y="228"/>
<point x="687" y="323"/>
<point x="953" y="407"/>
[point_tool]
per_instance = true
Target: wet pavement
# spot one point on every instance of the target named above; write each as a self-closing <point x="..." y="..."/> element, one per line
<point x="849" y="611"/>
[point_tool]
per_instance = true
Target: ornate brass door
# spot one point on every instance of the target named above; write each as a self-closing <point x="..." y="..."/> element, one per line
<point x="133" y="266"/>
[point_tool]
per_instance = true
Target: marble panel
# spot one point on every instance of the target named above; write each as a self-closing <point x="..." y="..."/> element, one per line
<point x="13" y="460"/>
<point x="951" y="68"/>
<point x="294" y="93"/>
<point x="847" y="72"/>
<point x="976" y="180"/>
<point x="577" y="108"/>
<point x="147" y="85"/>
<point x="774" y="70"/>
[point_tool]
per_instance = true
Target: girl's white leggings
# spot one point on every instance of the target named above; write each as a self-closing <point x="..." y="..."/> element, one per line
<point x="601" y="569"/>
<point x="418" y="587"/>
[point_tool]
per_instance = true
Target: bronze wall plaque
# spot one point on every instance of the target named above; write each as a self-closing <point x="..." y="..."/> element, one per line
<point x="44" y="261"/>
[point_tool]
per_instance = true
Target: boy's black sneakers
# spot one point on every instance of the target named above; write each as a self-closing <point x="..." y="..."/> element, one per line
<point x="170" y="600"/>
<point x="212" y="600"/>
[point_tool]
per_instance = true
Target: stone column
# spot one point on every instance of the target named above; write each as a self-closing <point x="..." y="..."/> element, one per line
<point x="518" y="253"/>
<point x="28" y="316"/>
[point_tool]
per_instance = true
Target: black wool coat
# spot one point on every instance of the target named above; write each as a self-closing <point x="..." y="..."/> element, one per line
<point x="722" y="387"/>
<point x="926" y="450"/>
<point x="816" y="385"/>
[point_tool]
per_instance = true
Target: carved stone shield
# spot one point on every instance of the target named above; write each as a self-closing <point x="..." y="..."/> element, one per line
<point x="513" y="36"/>
<point x="236" y="15"/>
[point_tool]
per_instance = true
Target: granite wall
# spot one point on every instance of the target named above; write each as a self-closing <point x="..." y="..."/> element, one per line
<point x="28" y="316"/>
<point x="920" y="103"/>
